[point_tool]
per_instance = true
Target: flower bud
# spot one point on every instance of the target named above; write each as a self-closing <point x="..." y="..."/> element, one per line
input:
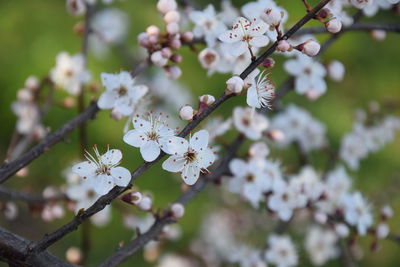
<point x="378" y="35"/>
<point x="173" y="28"/>
<point x="276" y="135"/>
<point x="74" y="255"/>
<point x="176" y="58"/>
<point x="272" y="16"/>
<point x="177" y="210"/>
<point x="235" y="84"/>
<point x="68" y="102"/>
<point x="187" y="37"/>
<point x="336" y="70"/>
<point x="334" y="25"/>
<point x="24" y="95"/>
<point x="145" y="204"/>
<point x="283" y="46"/>
<point x="310" y="48"/>
<point x="32" y="83"/>
<point x="116" y="114"/>
<point x="166" y="52"/>
<point x="164" y="6"/>
<point x="186" y="113"/>
<point x="386" y="212"/>
<point x="10" y="211"/>
<point x="342" y="230"/>
<point x="173" y="72"/>
<point x="76" y="7"/>
<point x="207" y="99"/>
<point x="268" y="63"/>
<point x="143" y="39"/>
<point x="320" y="217"/>
<point x="208" y="58"/>
<point x="172" y="16"/>
<point x="382" y="230"/>
<point x="158" y="59"/>
<point x="325" y="13"/>
<point x="22" y="172"/>
<point x="259" y="150"/>
<point x="132" y="198"/>
<point x="153" y="30"/>
<point x="175" y="44"/>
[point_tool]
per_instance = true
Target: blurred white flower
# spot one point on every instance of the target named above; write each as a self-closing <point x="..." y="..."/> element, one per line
<point x="249" y="122"/>
<point x="357" y="212"/>
<point x="321" y="245"/>
<point x="281" y="251"/>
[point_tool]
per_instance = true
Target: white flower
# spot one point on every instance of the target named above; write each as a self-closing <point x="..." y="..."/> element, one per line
<point x="189" y="158"/>
<point x="321" y="245"/>
<point x="357" y="212"/>
<point x="281" y="251"/>
<point x="256" y="9"/>
<point x="352" y="150"/>
<point x="283" y="200"/>
<point x="382" y="230"/>
<point x="186" y="113"/>
<point x="244" y="35"/>
<point x="336" y="70"/>
<point x="361" y="3"/>
<point x="84" y="196"/>
<point x="272" y="16"/>
<point x="121" y="93"/>
<point x="249" y="123"/>
<point x="110" y="26"/>
<point x="208" y="25"/>
<point x="102" y="171"/>
<point x="70" y="72"/>
<point x="217" y="127"/>
<point x="309" y="75"/>
<point x="150" y="136"/>
<point x="209" y="58"/>
<point x="261" y="92"/>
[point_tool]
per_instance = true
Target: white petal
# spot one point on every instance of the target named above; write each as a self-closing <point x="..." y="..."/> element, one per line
<point x="150" y="151"/>
<point x="238" y="167"/>
<point x="190" y="174"/>
<point x="199" y="140"/>
<point x="141" y="124"/>
<point x="107" y="100"/>
<point x="103" y="184"/>
<point x="138" y="92"/>
<point x="259" y="41"/>
<point x="124" y="106"/>
<point x="252" y="97"/>
<point x="173" y="164"/>
<point x="293" y="67"/>
<point x="206" y="158"/>
<point x="111" y="157"/>
<point x="135" y="138"/>
<point x="110" y="81"/>
<point x="85" y="169"/>
<point x="125" y="79"/>
<point x="238" y="49"/>
<point x="259" y="29"/>
<point x="177" y="145"/>
<point x="122" y="176"/>
<point x="302" y="84"/>
<point x="230" y="37"/>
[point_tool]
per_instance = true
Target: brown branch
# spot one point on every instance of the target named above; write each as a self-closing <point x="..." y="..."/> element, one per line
<point x="105" y="200"/>
<point x="13" y="251"/>
<point x="29" y="198"/>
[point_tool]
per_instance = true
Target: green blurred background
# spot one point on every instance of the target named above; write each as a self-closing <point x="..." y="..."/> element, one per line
<point x="34" y="32"/>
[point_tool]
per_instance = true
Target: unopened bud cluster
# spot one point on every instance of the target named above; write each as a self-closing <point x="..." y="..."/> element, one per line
<point x="161" y="45"/>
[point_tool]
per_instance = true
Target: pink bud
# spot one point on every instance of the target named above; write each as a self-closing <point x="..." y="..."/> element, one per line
<point x="173" y="72"/>
<point x="143" y="39"/>
<point x="336" y="70"/>
<point x="342" y="230"/>
<point x="172" y="16"/>
<point x="378" y="35"/>
<point x="386" y="212"/>
<point x="207" y="99"/>
<point x="164" y="6"/>
<point x="272" y="16"/>
<point x="186" y="113"/>
<point x="283" y="46"/>
<point x="145" y="204"/>
<point x="235" y="84"/>
<point x="32" y="83"/>
<point x="158" y="59"/>
<point x="208" y="58"/>
<point x="166" y="52"/>
<point x="187" y="37"/>
<point x="76" y="7"/>
<point x="382" y="230"/>
<point x="176" y="58"/>
<point x="334" y="25"/>
<point x="173" y="28"/>
<point x="74" y="255"/>
<point x="310" y="48"/>
<point x="268" y="63"/>
<point x="116" y="115"/>
<point x="177" y="210"/>
<point x="24" y="95"/>
<point x="175" y="44"/>
<point x="153" y="30"/>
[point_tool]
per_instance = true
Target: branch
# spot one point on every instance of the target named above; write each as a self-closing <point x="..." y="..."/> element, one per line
<point x="105" y="200"/>
<point x="29" y="198"/>
<point x="123" y="253"/>
<point x="13" y="251"/>
<point x="366" y="26"/>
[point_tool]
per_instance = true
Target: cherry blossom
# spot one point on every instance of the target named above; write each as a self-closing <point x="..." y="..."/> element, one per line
<point x="244" y="35"/>
<point x="357" y="212"/>
<point x="281" y="251"/>
<point x="122" y="94"/>
<point x="150" y="136"/>
<point x="321" y="245"/>
<point x="189" y="158"/>
<point x="102" y="171"/>
<point x="249" y="123"/>
<point x="261" y="92"/>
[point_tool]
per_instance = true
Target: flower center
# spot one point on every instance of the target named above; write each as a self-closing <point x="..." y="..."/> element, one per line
<point x="122" y="91"/>
<point x="152" y="136"/>
<point x="249" y="178"/>
<point x="103" y="169"/>
<point x="190" y="156"/>
<point x="69" y="73"/>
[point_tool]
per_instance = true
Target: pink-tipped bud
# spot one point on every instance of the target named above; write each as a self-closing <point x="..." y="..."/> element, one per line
<point x="187" y="37"/>
<point x="158" y="59"/>
<point x="310" y="48"/>
<point x="336" y="70"/>
<point x="145" y="204"/>
<point x="32" y="83"/>
<point x="386" y="212"/>
<point x="176" y="58"/>
<point x="207" y="99"/>
<point x="175" y="43"/>
<point x="166" y="52"/>
<point x="76" y="7"/>
<point x="177" y="210"/>
<point x="74" y="255"/>
<point x="342" y="230"/>
<point x="378" y="35"/>
<point x="235" y="84"/>
<point x="320" y="217"/>
<point x="186" y="113"/>
<point x="132" y="198"/>
<point x="173" y="72"/>
<point x="334" y="25"/>
<point x="325" y="13"/>
<point x="143" y="39"/>
<point x="173" y="28"/>
<point x="272" y="16"/>
<point x="24" y="95"/>
<point x="164" y="6"/>
<point x="283" y="46"/>
<point x="116" y="114"/>
<point x="268" y="63"/>
<point x="172" y="16"/>
<point x="153" y="30"/>
<point x="276" y="135"/>
<point x="382" y="230"/>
